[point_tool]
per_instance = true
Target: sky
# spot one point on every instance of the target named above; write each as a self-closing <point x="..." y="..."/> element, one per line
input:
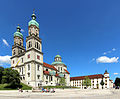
<point x="86" y="33"/>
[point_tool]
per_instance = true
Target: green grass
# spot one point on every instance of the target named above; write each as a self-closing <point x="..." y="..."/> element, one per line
<point x="24" y="87"/>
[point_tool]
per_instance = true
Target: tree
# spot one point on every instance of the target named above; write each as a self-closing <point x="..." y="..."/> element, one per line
<point x="1" y="73"/>
<point x="102" y="83"/>
<point x="87" y="82"/>
<point x="62" y="82"/>
<point x="11" y="77"/>
<point x="117" y="81"/>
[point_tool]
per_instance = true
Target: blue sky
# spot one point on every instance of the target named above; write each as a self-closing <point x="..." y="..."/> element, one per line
<point x="86" y="33"/>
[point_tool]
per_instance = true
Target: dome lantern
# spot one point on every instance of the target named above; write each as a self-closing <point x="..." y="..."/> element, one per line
<point x="18" y="33"/>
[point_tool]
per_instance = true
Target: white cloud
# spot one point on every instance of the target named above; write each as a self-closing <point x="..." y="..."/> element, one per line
<point x="104" y="53"/>
<point x="93" y="59"/>
<point x="116" y="73"/>
<point x="5" y="42"/>
<point x="22" y="30"/>
<point x="113" y="49"/>
<point x="105" y="59"/>
<point x="5" y="59"/>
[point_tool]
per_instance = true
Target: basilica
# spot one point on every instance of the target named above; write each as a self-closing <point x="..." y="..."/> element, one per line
<point x="28" y="61"/>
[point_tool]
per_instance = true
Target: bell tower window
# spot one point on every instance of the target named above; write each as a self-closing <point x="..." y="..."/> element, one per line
<point x="13" y="52"/>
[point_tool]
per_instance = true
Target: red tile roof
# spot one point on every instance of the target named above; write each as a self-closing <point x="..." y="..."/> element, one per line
<point x="66" y="71"/>
<point x="46" y="72"/>
<point x="90" y="77"/>
<point x="49" y="66"/>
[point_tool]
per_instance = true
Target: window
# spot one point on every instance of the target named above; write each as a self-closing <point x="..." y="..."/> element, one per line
<point x="51" y="78"/>
<point x="28" y="67"/>
<point x="13" y="61"/>
<point x="20" y="43"/>
<point x="29" y="44"/>
<point x="22" y="70"/>
<point x="38" y="76"/>
<point x="28" y="55"/>
<point x="38" y="57"/>
<point x="39" y="46"/>
<point x="22" y="60"/>
<point x="14" y="52"/>
<point x="46" y="69"/>
<point x="59" y="69"/>
<point x="46" y="82"/>
<point x="24" y="78"/>
<point x="35" y="44"/>
<point x="38" y="67"/>
<point x="46" y="77"/>
<point x="28" y="74"/>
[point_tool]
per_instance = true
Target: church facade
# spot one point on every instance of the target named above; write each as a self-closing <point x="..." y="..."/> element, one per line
<point x="28" y="61"/>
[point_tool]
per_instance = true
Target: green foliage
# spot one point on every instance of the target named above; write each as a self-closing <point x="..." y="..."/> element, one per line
<point x="25" y="87"/>
<point x="11" y="77"/>
<point x="6" y="87"/>
<point x="1" y="74"/>
<point x="87" y="82"/>
<point x="117" y="81"/>
<point x="62" y="81"/>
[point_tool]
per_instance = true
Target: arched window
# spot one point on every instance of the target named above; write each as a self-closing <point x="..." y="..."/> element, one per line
<point x="37" y="45"/>
<point x="14" y="52"/>
<point x="30" y="44"/>
<point x="20" y="43"/>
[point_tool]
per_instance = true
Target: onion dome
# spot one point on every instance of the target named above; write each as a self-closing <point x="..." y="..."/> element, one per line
<point x="33" y="21"/>
<point x="58" y="60"/>
<point x="106" y="72"/>
<point x="57" y="63"/>
<point x="18" y="33"/>
<point x="58" y="56"/>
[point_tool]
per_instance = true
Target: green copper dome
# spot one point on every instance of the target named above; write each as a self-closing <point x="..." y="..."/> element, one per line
<point x="18" y="33"/>
<point x="33" y="21"/>
<point x="57" y="62"/>
<point x="58" y="56"/>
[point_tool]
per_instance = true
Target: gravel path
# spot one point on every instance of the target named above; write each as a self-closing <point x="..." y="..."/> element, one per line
<point x="63" y="94"/>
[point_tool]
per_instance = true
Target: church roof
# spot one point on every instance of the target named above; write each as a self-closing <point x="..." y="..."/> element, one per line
<point x="66" y="71"/>
<point x="33" y="21"/>
<point x="57" y="62"/>
<point x="18" y="33"/>
<point x="89" y="76"/>
<point x="58" y="56"/>
<point x="49" y="66"/>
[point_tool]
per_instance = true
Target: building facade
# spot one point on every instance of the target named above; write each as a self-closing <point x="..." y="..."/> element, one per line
<point x="95" y="81"/>
<point x="28" y="61"/>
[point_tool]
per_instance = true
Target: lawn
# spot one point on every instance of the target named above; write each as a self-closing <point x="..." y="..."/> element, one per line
<point x="24" y="87"/>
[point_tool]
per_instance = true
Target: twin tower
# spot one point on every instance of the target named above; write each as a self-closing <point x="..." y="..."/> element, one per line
<point x="29" y="61"/>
